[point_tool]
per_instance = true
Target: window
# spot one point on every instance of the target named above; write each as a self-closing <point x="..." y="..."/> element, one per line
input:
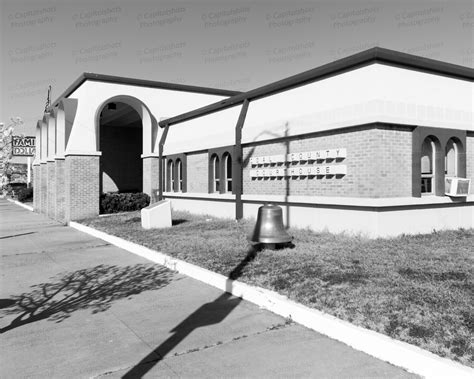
<point x="221" y="170"/>
<point x="176" y="173"/>
<point x="450" y="160"/>
<point x="427" y="166"/>
<point x="438" y="153"/>
<point x="216" y="173"/>
<point x="228" y="172"/>
<point x="170" y="176"/>
<point x="180" y="175"/>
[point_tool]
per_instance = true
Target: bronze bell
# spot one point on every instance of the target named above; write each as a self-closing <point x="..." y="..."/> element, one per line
<point x="269" y="228"/>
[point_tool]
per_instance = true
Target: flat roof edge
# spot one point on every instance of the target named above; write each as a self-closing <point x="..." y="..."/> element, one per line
<point x="364" y="58"/>
<point x="142" y="83"/>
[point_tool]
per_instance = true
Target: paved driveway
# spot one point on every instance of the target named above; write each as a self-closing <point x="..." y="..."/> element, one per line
<point x="75" y="306"/>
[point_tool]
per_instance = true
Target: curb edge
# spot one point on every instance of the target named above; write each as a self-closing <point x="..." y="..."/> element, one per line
<point x="412" y="358"/>
<point x="21" y="204"/>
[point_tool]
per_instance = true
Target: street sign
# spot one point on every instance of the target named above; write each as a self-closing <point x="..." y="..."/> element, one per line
<point x="23" y="146"/>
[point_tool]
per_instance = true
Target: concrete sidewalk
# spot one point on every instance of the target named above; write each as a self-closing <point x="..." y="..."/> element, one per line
<point x="74" y="306"/>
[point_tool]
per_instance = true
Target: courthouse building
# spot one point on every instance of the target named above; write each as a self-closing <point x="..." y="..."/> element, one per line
<point x="379" y="143"/>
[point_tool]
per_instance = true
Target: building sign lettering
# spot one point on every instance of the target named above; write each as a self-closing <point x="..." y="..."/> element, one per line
<point x="319" y="170"/>
<point x="23" y="146"/>
<point x="268" y="166"/>
<point x="319" y="155"/>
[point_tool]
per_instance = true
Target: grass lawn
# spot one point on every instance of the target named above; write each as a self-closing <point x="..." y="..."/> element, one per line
<point x="417" y="289"/>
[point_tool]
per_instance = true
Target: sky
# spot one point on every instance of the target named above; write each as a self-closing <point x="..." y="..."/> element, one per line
<point x="228" y="44"/>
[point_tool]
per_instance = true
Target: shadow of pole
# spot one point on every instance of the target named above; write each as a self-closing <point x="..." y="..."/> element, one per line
<point x="286" y="142"/>
<point x="208" y="314"/>
<point x="17" y="235"/>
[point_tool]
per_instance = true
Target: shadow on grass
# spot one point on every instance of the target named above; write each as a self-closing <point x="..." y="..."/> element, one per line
<point x="345" y="278"/>
<point x="133" y="219"/>
<point x="435" y="276"/>
<point x="94" y="288"/>
<point x="174" y="222"/>
<point x="178" y="221"/>
<point x="208" y="314"/>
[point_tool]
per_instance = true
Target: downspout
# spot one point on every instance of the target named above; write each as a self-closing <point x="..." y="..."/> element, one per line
<point x="238" y="168"/>
<point x="160" y="162"/>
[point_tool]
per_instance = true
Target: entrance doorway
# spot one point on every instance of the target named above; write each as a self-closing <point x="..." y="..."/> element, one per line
<point x="121" y="144"/>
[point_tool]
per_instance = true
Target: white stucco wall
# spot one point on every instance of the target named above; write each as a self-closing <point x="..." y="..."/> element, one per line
<point x="369" y="94"/>
<point x="416" y="215"/>
<point x="161" y="103"/>
<point x="375" y="93"/>
<point x="213" y="130"/>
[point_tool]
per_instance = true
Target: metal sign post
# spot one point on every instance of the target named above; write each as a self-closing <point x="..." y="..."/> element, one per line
<point x="28" y="172"/>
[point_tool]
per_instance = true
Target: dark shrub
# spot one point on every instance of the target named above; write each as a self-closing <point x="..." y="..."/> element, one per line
<point x="12" y="189"/>
<point x="123" y="202"/>
<point x="25" y="194"/>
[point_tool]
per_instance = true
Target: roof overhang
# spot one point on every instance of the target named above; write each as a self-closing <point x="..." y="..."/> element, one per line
<point x="371" y="56"/>
<point x="141" y="83"/>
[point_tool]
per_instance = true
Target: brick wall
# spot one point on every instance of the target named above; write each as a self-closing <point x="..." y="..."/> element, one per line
<point x="197" y="172"/>
<point x="121" y="161"/>
<point x="395" y="162"/>
<point x="60" y="183"/>
<point x="470" y="159"/>
<point x="51" y="169"/>
<point x="378" y="165"/>
<point x="82" y="186"/>
<point x="36" y="187"/>
<point x="150" y="176"/>
<point x="43" y="188"/>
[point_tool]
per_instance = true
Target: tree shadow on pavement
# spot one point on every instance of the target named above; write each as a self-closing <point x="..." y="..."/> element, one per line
<point x="93" y="288"/>
<point x="208" y="314"/>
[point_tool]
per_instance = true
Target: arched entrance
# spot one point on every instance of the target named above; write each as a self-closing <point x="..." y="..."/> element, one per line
<point x="121" y="144"/>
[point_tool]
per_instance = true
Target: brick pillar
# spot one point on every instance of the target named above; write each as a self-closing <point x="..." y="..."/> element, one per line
<point x="150" y="176"/>
<point x="36" y="187"/>
<point x="43" y="187"/>
<point x="51" y="169"/>
<point x="60" y="184"/>
<point x="82" y="186"/>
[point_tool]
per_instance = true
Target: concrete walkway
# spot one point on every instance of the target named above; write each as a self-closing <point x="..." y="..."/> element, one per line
<point x="74" y="306"/>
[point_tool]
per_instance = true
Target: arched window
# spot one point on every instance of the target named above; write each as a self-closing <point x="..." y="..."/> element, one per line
<point x="228" y="172"/>
<point x="220" y="170"/>
<point x="176" y="173"/>
<point x="427" y="165"/>
<point x="179" y="167"/>
<point x="451" y="157"/>
<point x="170" y="176"/>
<point x="216" y="172"/>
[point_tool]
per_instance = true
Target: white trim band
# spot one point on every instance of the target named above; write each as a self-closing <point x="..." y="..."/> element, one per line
<point x="83" y="152"/>
<point x="150" y="155"/>
<point x="329" y="200"/>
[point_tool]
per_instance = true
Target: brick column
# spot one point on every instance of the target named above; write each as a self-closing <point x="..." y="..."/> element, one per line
<point x="82" y="185"/>
<point x="36" y="187"/>
<point x="60" y="183"/>
<point x="43" y="187"/>
<point x="51" y="169"/>
<point x="150" y="176"/>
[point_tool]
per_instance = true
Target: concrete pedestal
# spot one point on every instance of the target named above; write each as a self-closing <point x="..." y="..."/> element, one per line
<point x="157" y="215"/>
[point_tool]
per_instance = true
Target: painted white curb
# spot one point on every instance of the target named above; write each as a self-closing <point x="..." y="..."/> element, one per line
<point x="402" y="354"/>
<point x="21" y="204"/>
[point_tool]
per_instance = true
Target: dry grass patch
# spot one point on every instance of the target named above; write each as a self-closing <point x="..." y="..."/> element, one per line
<point x="416" y="289"/>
